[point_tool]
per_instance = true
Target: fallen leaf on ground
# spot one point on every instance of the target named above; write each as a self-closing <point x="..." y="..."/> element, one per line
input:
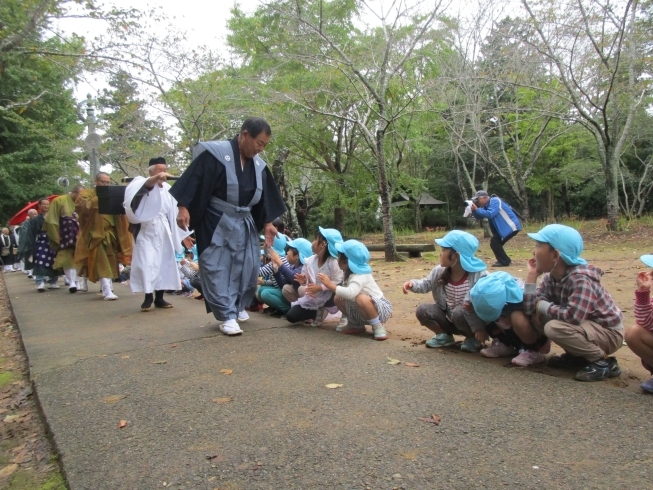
<point x="124" y="357"/>
<point x="22" y="457"/>
<point x="393" y="361"/>
<point x="411" y="364"/>
<point x="8" y="470"/>
<point x="434" y="419"/>
<point x="159" y="362"/>
<point x="123" y="423"/>
<point x="226" y="372"/>
<point x="333" y="386"/>
<point x="113" y="398"/>
<point x="223" y="400"/>
<point x="173" y="346"/>
<point x="10" y="418"/>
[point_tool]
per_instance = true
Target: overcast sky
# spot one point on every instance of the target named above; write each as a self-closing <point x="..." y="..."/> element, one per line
<point x="203" y="20"/>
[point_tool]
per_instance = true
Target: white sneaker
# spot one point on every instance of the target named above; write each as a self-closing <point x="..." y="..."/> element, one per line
<point x="243" y="316"/>
<point x="342" y="324"/>
<point x="231" y="327"/>
<point x="83" y="284"/>
<point x="41" y="287"/>
<point x="54" y="286"/>
<point x="322" y="313"/>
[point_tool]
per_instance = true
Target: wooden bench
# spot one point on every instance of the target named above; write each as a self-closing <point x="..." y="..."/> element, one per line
<point x="414" y="250"/>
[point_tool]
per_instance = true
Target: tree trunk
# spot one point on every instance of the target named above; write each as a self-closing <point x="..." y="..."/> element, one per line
<point x="418" y="219"/>
<point x="487" y="232"/>
<point x="339" y="219"/>
<point x="551" y="206"/>
<point x="525" y="210"/>
<point x="612" y="188"/>
<point x="565" y="197"/>
<point x="386" y="210"/>
<point x="302" y="214"/>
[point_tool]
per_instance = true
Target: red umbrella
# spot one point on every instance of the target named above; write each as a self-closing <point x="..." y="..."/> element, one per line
<point x="21" y="215"/>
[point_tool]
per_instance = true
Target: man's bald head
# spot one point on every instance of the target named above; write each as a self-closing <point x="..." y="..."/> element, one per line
<point x="102" y="179"/>
<point x="32" y="213"/>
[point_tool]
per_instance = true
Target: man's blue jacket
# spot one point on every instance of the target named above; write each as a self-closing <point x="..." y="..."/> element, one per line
<point x="501" y="216"/>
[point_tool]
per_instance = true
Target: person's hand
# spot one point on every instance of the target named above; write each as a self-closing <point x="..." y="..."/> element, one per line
<point x="183" y="218"/>
<point x="301" y="278"/>
<point x="313" y="289"/>
<point x="481" y="336"/>
<point x="183" y="262"/>
<point x="157" y="179"/>
<point x="324" y="279"/>
<point x="531" y="266"/>
<point x="188" y="242"/>
<point x="468" y="306"/>
<point x="408" y="286"/>
<point x="274" y="256"/>
<point x="260" y="281"/>
<point x="270" y="231"/>
<point x="473" y="207"/>
<point x="644" y="281"/>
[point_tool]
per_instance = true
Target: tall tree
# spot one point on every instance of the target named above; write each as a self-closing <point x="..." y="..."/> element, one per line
<point x="595" y="48"/>
<point x="131" y="137"/>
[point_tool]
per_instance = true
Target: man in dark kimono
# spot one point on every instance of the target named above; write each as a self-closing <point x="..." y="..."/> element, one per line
<point x="24" y="253"/>
<point x="227" y="195"/>
<point x="38" y="248"/>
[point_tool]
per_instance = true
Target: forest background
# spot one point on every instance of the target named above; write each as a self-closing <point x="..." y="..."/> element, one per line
<point x="546" y="103"/>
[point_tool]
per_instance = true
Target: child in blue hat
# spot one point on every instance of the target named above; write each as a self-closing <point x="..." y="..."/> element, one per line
<point x="315" y="299"/>
<point x="359" y="299"/>
<point x="571" y="307"/>
<point x="284" y="269"/>
<point x="639" y="337"/>
<point x="449" y="283"/>
<point x="498" y="300"/>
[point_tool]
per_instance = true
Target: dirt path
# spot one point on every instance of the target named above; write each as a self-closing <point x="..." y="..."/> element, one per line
<point x="27" y="461"/>
<point x="617" y="255"/>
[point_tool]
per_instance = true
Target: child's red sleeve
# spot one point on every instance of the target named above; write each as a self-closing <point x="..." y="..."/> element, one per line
<point x="643" y="309"/>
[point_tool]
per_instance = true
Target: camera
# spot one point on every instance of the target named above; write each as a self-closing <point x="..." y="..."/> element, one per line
<point x="473" y="200"/>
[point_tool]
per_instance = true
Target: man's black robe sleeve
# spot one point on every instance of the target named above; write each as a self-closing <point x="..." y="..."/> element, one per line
<point x="194" y="188"/>
<point x="271" y="205"/>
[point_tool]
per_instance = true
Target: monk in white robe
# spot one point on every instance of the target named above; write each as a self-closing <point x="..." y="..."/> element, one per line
<point x="152" y="212"/>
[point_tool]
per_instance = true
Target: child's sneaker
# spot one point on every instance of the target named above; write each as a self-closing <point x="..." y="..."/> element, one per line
<point x="528" y="358"/>
<point x="470" y="344"/>
<point x="342" y="324"/>
<point x="498" y="349"/>
<point x="440" y="340"/>
<point x="243" y="316"/>
<point x="320" y="316"/>
<point x="599" y="370"/>
<point x="647" y="386"/>
<point x="379" y="332"/>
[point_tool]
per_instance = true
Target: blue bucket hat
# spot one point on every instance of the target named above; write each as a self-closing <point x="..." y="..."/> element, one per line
<point x="279" y="244"/>
<point x="332" y="236"/>
<point x="303" y="247"/>
<point x="647" y="259"/>
<point x="565" y="240"/>
<point x="357" y="255"/>
<point x="466" y="245"/>
<point x="491" y="293"/>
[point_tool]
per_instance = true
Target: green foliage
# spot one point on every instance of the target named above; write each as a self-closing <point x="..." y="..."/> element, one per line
<point x="130" y="137"/>
<point x="38" y="126"/>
